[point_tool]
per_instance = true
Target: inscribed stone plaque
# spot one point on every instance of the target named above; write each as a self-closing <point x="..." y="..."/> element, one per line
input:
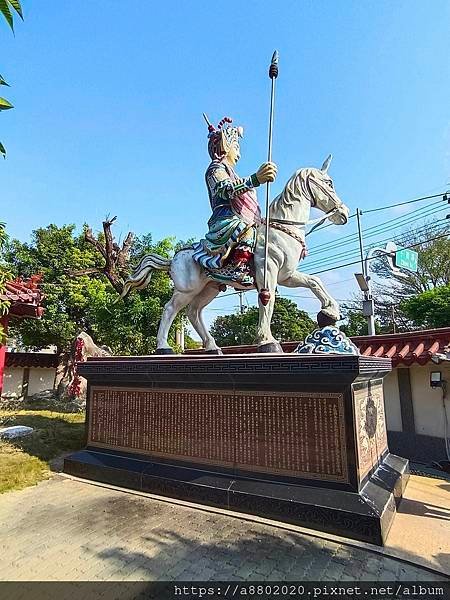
<point x="371" y="434"/>
<point x="296" y="434"/>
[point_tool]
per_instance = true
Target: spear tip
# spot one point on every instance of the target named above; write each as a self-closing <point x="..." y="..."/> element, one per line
<point x="273" y="69"/>
<point x="211" y="127"/>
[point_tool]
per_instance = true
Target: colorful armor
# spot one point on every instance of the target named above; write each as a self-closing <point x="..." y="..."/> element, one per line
<point x="227" y="249"/>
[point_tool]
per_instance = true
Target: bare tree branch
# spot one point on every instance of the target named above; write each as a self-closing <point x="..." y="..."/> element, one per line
<point x="91" y="239"/>
<point x="82" y="272"/>
<point x="116" y="257"/>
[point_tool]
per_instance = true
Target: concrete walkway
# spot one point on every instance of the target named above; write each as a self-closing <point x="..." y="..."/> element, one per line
<point x="69" y="530"/>
<point x="422" y="524"/>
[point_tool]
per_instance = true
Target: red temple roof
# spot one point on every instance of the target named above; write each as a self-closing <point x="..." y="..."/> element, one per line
<point x="24" y="297"/>
<point x="405" y="348"/>
<point x="42" y="360"/>
<point x="402" y="348"/>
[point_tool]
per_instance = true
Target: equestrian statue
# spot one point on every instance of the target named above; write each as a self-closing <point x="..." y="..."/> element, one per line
<point x="241" y="249"/>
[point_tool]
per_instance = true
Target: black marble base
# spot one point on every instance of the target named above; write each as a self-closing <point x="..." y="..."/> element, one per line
<point x="365" y="516"/>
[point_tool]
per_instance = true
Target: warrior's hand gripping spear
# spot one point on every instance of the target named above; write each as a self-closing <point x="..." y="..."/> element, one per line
<point x="264" y="293"/>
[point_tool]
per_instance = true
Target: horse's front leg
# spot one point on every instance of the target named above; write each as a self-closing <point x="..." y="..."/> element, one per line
<point x="329" y="313"/>
<point x="266" y="341"/>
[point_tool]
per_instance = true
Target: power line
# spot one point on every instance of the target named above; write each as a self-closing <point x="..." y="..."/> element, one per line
<point x="388" y="206"/>
<point x="437" y="228"/>
<point x="402" y="203"/>
<point x="324" y="259"/>
<point x="419" y="212"/>
<point x="419" y="229"/>
<point x="386" y="253"/>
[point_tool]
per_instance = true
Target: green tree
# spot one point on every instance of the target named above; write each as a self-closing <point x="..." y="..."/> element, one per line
<point x="289" y="323"/>
<point x="357" y="324"/>
<point x="391" y="290"/>
<point x="87" y="302"/>
<point x="429" y="309"/>
<point x="431" y="241"/>
<point x="5" y="276"/>
<point x="7" y="8"/>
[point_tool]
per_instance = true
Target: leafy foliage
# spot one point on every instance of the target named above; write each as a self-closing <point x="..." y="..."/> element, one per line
<point x="429" y="309"/>
<point x="392" y="291"/>
<point x="433" y="247"/>
<point x="87" y="303"/>
<point x="7" y="8"/>
<point x="357" y="324"/>
<point x="289" y="323"/>
<point x="5" y="104"/>
<point x="5" y="276"/>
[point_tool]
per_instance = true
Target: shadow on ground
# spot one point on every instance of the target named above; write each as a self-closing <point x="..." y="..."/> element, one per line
<point x="219" y="547"/>
<point x="424" y="509"/>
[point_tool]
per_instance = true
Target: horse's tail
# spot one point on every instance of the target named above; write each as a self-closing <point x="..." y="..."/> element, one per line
<point x="143" y="272"/>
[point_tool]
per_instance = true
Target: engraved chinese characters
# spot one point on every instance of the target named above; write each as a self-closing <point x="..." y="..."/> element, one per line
<point x="294" y="434"/>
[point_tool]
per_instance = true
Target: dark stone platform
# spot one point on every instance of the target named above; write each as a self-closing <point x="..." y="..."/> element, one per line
<point x="296" y="438"/>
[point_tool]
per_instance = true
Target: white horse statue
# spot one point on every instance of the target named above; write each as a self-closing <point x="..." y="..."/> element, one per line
<point x="289" y="214"/>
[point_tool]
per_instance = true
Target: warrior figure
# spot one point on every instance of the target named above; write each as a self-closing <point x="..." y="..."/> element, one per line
<point x="227" y="250"/>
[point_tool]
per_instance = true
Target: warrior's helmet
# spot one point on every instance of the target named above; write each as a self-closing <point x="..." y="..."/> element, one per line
<point x="220" y="139"/>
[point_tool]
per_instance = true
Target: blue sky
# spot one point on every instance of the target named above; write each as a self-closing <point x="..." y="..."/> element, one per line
<point x="109" y="97"/>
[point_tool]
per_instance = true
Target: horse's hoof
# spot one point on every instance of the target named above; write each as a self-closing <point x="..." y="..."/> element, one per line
<point x="164" y="351"/>
<point x="323" y="320"/>
<point x="216" y="351"/>
<point x="270" y="347"/>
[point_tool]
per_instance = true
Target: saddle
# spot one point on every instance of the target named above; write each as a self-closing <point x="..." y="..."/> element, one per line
<point x="238" y="268"/>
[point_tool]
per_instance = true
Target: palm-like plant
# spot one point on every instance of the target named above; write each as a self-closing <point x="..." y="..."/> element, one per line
<point x="7" y="8"/>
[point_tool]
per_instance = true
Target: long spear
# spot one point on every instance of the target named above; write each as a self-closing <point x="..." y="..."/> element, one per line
<point x="264" y="294"/>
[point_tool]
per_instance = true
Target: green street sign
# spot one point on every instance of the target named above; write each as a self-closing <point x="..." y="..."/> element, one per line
<point x="406" y="259"/>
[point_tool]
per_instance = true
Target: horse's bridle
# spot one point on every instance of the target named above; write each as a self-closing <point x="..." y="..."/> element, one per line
<point x="277" y="223"/>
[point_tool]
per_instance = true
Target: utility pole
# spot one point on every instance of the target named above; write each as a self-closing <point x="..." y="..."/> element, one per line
<point x="179" y="337"/>
<point x="361" y="246"/>
<point x="364" y="281"/>
<point x="241" y="303"/>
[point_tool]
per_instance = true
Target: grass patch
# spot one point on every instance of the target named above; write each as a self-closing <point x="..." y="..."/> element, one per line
<point x="24" y="461"/>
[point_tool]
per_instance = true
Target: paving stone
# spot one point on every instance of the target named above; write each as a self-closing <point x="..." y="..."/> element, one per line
<point x="68" y="530"/>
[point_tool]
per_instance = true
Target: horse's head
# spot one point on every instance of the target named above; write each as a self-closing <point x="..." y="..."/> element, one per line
<point x="318" y="186"/>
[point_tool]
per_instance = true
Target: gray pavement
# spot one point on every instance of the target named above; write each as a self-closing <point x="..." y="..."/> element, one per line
<point x="68" y="530"/>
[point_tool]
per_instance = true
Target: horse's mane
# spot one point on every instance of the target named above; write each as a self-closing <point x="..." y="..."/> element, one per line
<point x="294" y="189"/>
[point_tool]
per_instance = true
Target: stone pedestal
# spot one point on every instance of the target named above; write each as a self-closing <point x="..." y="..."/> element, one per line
<point x="297" y="438"/>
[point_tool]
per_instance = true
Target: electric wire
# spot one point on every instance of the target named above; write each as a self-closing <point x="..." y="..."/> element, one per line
<point x="373" y="257"/>
<point x="418" y="230"/>
<point x="436" y="229"/>
<point x="322" y="260"/>
<point x="372" y="210"/>
<point x="351" y="252"/>
<point x="388" y="206"/>
<point x="419" y="213"/>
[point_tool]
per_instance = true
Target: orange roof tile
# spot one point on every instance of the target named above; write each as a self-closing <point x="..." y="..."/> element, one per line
<point x="403" y="348"/>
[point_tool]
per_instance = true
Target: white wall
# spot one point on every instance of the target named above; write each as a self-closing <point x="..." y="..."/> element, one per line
<point x="40" y="379"/>
<point x="12" y="382"/>
<point x="392" y="402"/>
<point x="427" y="401"/>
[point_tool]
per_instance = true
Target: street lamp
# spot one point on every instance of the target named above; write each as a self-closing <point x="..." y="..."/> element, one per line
<point x="368" y="303"/>
<point x="365" y="285"/>
<point x="362" y="282"/>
